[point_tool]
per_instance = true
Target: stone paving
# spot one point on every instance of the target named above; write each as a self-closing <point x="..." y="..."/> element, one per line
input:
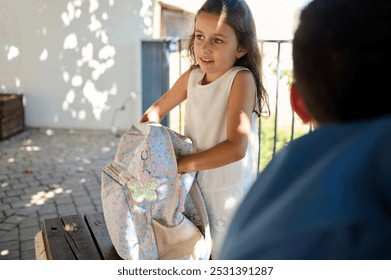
<point x="46" y="173"/>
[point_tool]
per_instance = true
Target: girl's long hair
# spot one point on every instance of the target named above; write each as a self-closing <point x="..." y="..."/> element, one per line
<point x="238" y="16"/>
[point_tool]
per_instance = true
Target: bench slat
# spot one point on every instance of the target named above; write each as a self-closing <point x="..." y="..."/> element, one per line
<point x="68" y="238"/>
<point x="101" y="236"/>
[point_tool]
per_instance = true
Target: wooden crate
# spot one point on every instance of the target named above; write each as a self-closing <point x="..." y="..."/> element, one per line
<point x="11" y="114"/>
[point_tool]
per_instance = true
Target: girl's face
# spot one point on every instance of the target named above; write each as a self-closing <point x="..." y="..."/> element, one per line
<point x="215" y="46"/>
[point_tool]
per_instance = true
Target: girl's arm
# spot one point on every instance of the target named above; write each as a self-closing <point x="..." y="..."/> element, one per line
<point x="168" y="101"/>
<point x="241" y="103"/>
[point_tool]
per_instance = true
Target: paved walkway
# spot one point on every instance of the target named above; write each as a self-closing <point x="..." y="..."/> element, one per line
<point x="46" y="173"/>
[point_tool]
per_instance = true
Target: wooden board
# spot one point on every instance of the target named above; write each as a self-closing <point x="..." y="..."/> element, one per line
<point x="40" y="251"/>
<point x="68" y="238"/>
<point x="75" y="238"/>
<point x="98" y="228"/>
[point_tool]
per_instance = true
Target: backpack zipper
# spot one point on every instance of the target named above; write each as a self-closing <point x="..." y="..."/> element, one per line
<point x="121" y="172"/>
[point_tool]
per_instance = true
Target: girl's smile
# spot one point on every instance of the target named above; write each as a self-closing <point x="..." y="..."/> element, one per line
<point x="206" y="60"/>
<point x="215" y="45"/>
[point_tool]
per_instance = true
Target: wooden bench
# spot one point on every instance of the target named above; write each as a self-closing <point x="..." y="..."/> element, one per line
<point x="75" y="238"/>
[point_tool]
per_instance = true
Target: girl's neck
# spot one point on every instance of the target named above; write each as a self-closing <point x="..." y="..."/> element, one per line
<point x="211" y="77"/>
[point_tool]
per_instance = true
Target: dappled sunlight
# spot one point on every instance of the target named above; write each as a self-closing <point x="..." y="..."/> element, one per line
<point x="44" y="55"/>
<point x="70" y="42"/>
<point x="18" y="82"/>
<point x="41" y="197"/>
<point x="80" y="58"/>
<point x="86" y="161"/>
<point x="13" y="52"/>
<point x="17" y="85"/>
<point x="95" y="57"/>
<point x="77" y="81"/>
<point x="106" y="149"/>
<point x="71" y="226"/>
<point x="97" y="98"/>
<point x="4" y="252"/>
<point x="230" y="203"/>
<point x="49" y="173"/>
<point x="147" y="14"/>
<point x="49" y="132"/>
<point x="31" y="148"/>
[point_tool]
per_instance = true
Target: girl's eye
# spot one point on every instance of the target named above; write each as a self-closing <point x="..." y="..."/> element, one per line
<point x="218" y="41"/>
<point x="199" y="37"/>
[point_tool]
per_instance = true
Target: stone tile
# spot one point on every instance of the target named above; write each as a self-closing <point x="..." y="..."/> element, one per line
<point x="28" y="211"/>
<point x="11" y="199"/>
<point x="14" y="219"/>
<point x="7" y="254"/>
<point x="27" y="245"/>
<point x="47" y="216"/>
<point x="63" y="199"/>
<point x="15" y="192"/>
<point x="20" y="186"/>
<point x="79" y="193"/>
<point x="28" y="254"/>
<point x="31" y="222"/>
<point x="47" y="208"/>
<point x="86" y="209"/>
<point x="28" y="233"/>
<point x="50" y="181"/>
<point x="6" y="226"/>
<point x="83" y="200"/>
<point x="5" y="206"/>
<point x="12" y="245"/>
<point x="2" y="233"/>
<point x="20" y="204"/>
<point x="67" y="211"/>
<point x="9" y="212"/>
<point x="64" y="180"/>
<point x="12" y="235"/>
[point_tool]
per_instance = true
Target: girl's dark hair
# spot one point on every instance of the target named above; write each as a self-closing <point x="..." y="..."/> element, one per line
<point x="238" y="16"/>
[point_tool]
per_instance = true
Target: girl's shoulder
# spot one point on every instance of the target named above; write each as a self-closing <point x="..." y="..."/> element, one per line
<point x="240" y="73"/>
<point x="239" y="68"/>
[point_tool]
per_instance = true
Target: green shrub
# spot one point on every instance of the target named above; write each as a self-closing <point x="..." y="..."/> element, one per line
<point x="269" y="140"/>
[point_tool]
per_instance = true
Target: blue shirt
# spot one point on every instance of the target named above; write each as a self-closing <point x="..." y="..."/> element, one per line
<point x="326" y="195"/>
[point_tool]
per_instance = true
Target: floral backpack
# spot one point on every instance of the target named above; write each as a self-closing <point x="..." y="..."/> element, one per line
<point x="151" y="211"/>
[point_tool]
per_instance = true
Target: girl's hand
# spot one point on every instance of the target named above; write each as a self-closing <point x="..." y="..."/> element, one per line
<point x="150" y="117"/>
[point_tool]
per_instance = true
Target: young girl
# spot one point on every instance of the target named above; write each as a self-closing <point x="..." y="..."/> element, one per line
<point x="223" y="89"/>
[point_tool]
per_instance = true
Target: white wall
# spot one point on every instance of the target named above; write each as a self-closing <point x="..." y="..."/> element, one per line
<point x="76" y="61"/>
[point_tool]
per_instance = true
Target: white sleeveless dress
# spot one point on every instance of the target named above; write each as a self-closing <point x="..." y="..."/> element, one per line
<point x="206" y="124"/>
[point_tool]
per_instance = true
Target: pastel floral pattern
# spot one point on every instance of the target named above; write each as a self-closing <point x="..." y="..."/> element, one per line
<point x="142" y="184"/>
